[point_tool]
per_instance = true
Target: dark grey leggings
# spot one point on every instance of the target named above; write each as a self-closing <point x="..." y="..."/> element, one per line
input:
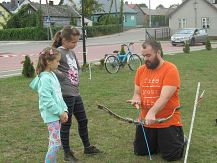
<point x="75" y="106"/>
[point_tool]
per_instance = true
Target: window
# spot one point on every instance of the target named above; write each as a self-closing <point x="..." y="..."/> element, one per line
<point x="214" y="1"/>
<point x="132" y="17"/>
<point x="125" y="18"/>
<point x="29" y="11"/>
<point x="205" y="22"/>
<point x="182" y="23"/>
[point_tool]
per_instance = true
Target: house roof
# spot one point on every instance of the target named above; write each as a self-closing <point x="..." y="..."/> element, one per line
<point x="183" y="3"/>
<point x="158" y="12"/>
<point x="56" y="10"/>
<point x="4" y="8"/>
<point x="12" y="6"/>
<point x="133" y="6"/>
<point x="106" y="7"/>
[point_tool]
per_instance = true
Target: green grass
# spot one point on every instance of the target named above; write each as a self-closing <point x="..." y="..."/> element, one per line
<point x="23" y="136"/>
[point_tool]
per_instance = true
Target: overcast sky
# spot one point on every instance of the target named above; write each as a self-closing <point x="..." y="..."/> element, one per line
<point x="154" y="3"/>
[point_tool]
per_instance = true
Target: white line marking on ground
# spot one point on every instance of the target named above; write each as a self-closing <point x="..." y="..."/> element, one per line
<point x="8" y="75"/>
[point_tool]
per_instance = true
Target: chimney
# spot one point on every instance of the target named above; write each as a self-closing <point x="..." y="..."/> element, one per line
<point x="51" y="3"/>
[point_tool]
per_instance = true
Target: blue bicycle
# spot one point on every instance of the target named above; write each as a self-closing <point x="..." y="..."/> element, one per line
<point x="113" y="62"/>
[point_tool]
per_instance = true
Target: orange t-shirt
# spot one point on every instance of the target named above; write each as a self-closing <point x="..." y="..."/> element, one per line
<point x="150" y="83"/>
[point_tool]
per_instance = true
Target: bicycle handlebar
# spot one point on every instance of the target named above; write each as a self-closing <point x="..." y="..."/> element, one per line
<point x="131" y="43"/>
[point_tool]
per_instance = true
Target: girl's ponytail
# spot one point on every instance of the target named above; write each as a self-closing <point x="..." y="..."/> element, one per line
<point x="67" y="33"/>
<point x="57" y="40"/>
<point x="48" y="54"/>
<point x="42" y="64"/>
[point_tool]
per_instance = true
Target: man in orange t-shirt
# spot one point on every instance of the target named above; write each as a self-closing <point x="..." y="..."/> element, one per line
<point x="156" y="91"/>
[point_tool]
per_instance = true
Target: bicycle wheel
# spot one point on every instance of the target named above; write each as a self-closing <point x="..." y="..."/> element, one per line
<point x="134" y="62"/>
<point x="112" y="64"/>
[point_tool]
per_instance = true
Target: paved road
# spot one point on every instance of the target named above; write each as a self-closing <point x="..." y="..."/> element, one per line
<point x="13" y="52"/>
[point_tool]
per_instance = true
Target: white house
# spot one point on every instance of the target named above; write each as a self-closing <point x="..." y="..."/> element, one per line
<point x="195" y="14"/>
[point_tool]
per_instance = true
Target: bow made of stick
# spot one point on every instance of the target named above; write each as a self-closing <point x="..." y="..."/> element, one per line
<point x="130" y="120"/>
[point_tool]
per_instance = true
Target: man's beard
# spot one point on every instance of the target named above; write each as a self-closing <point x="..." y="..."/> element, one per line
<point x="152" y="65"/>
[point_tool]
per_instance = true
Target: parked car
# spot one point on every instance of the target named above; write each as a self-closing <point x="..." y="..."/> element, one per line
<point x="191" y="35"/>
<point x="81" y="34"/>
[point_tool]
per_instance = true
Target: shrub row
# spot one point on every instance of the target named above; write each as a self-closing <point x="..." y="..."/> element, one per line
<point x="35" y="33"/>
<point x="23" y="34"/>
<point x="102" y="30"/>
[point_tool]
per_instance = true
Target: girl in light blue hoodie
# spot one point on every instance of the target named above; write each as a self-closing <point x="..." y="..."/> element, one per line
<point x="51" y="104"/>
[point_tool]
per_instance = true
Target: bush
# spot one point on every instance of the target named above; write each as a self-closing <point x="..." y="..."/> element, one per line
<point x="36" y="33"/>
<point x="186" y="49"/>
<point x="28" y="68"/>
<point x="23" y="18"/>
<point x="85" y="67"/>
<point x="30" y="33"/>
<point x="108" y="20"/>
<point x="208" y="44"/>
<point x="102" y="61"/>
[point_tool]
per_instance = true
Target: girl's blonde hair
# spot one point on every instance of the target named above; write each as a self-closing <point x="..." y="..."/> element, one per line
<point x="66" y="33"/>
<point x="47" y="54"/>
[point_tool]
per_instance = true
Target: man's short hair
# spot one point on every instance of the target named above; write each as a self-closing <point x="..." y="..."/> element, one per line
<point x="154" y="44"/>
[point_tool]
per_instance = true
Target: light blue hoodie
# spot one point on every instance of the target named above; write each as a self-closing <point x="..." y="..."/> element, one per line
<point x="51" y="103"/>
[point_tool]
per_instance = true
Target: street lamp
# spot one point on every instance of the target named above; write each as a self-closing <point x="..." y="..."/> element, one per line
<point x="83" y="35"/>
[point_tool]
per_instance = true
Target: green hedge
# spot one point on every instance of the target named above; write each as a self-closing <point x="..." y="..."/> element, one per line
<point x="35" y="33"/>
<point x="28" y="33"/>
<point x="23" y="34"/>
<point x="102" y="30"/>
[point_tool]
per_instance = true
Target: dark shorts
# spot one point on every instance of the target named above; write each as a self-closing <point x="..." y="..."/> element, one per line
<point x="167" y="141"/>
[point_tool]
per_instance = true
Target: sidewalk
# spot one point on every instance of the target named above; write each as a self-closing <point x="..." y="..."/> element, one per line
<point x="11" y="65"/>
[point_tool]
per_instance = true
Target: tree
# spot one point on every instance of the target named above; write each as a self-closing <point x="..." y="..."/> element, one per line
<point x="28" y="68"/>
<point x="39" y="18"/>
<point x="160" y="6"/>
<point x="174" y="5"/>
<point x="121" y="14"/>
<point x="103" y="20"/>
<point x="107" y="20"/>
<point x="90" y="7"/>
<point x="143" y="5"/>
<point x="24" y="19"/>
